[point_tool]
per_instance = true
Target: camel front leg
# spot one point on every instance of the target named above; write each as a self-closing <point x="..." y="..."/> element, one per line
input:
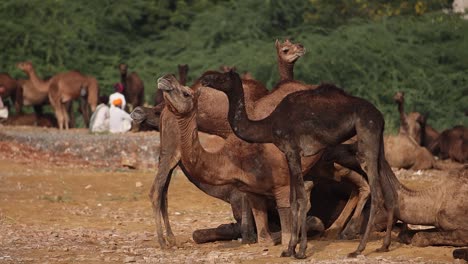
<point x="259" y="210"/>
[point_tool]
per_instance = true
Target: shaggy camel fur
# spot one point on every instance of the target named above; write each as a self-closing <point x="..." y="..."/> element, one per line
<point x="10" y="90"/>
<point x="403" y="150"/>
<point x="452" y="143"/>
<point x="441" y="205"/>
<point x="308" y="135"/>
<point x="62" y="89"/>
<point x="134" y="90"/>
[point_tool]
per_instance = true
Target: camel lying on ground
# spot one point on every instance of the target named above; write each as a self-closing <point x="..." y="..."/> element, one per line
<point x="134" y="90"/>
<point x="32" y="119"/>
<point x="62" y="89"/>
<point x="296" y="127"/>
<point x="403" y="150"/>
<point x="452" y="143"/>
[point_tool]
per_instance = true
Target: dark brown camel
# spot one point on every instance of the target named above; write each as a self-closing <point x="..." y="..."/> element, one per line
<point x="304" y="124"/>
<point x="10" y="89"/>
<point x="134" y="90"/>
<point x="452" y="143"/>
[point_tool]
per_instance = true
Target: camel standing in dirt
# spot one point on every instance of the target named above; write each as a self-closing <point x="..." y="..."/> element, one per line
<point x="10" y="90"/>
<point x="403" y="150"/>
<point x="134" y="90"/>
<point x="297" y="128"/>
<point x="62" y="89"/>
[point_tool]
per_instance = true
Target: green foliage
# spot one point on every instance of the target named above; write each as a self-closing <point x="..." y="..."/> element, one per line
<point x="370" y="48"/>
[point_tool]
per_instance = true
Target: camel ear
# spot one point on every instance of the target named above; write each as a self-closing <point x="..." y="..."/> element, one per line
<point x="277" y="43"/>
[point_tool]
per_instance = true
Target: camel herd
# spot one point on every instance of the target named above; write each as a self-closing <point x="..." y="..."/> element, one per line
<point x="60" y="91"/>
<point x="273" y="146"/>
<point x="272" y="151"/>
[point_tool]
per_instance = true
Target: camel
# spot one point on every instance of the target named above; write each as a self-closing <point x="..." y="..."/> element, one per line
<point x="441" y="205"/>
<point x="308" y="135"/>
<point x="260" y="175"/>
<point x="452" y="143"/>
<point x="415" y="124"/>
<point x="403" y="150"/>
<point x="288" y="53"/>
<point x="183" y="70"/>
<point x="62" y="88"/>
<point x="10" y="90"/>
<point x="134" y="90"/>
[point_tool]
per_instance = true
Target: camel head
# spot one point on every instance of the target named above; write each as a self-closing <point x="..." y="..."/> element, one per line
<point x="183" y="67"/>
<point x="226" y="68"/>
<point x="221" y="81"/>
<point x="138" y="114"/>
<point x="25" y="66"/>
<point x="399" y="97"/>
<point x="180" y="99"/>
<point x="289" y="52"/>
<point x="123" y="68"/>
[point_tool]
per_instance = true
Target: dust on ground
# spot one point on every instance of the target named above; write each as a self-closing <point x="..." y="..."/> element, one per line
<point x="66" y="198"/>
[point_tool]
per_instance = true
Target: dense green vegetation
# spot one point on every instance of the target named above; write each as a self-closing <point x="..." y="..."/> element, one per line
<point x="370" y="48"/>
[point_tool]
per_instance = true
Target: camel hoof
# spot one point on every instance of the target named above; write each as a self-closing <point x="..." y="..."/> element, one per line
<point x="287" y="253"/>
<point x="382" y="249"/>
<point x="354" y="254"/>
<point x="300" y="255"/>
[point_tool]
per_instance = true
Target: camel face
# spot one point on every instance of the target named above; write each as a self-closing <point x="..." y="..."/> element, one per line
<point x="288" y="51"/>
<point x="398" y="97"/>
<point x="25" y="66"/>
<point x="181" y="99"/>
<point x="123" y="68"/>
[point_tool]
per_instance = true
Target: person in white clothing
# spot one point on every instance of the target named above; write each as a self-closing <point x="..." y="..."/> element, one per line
<point x="120" y="121"/>
<point x="118" y="89"/>
<point x="100" y="118"/>
<point x="3" y="108"/>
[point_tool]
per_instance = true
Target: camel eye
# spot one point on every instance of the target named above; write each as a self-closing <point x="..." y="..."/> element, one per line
<point x="285" y="50"/>
<point x="185" y="94"/>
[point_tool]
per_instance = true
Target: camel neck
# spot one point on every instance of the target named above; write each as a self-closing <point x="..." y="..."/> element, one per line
<point x="123" y="79"/>
<point x="251" y="131"/>
<point x="286" y="70"/>
<point x="182" y="77"/>
<point x="404" y="127"/>
<point x="38" y="83"/>
<point x="203" y="165"/>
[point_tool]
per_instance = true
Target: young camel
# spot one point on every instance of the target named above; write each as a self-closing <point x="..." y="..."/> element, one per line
<point x="322" y="117"/>
<point x="62" y="88"/>
<point x="134" y="90"/>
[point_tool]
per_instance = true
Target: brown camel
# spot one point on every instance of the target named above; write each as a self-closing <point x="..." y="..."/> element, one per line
<point x="441" y="205"/>
<point x="452" y="143"/>
<point x="62" y="88"/>
<point x="320" y="118"/>
<point x="415" y="124"/>
<point x="10" y="89"/>
<point x="183" y="70"/>
<point x="258" y="169"/>
<point x="134" y="90"/>
<point x="288" y="53"/>
<point x="403" y="150"/>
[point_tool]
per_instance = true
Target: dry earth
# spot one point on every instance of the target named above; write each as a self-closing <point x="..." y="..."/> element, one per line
<point x="66" y="198"/>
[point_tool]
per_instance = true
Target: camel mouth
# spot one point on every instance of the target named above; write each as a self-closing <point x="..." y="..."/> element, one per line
<point x="164" y="84"/>
<point x="138" y="115"/>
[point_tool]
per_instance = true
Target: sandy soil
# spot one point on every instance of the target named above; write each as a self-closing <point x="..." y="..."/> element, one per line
<point x="66" y="198"/>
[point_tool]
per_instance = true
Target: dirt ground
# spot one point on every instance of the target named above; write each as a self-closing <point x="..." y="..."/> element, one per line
<point x="66" y="198"/>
